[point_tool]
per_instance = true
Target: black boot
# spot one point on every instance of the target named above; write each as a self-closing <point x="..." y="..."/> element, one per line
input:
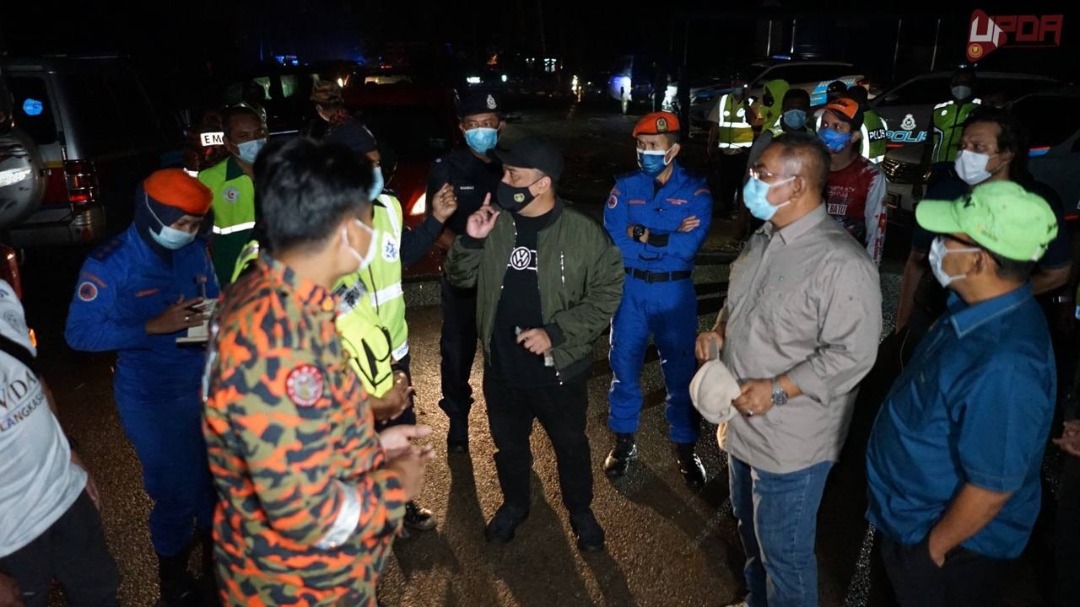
<point x="208" y="577"/>
<point x="690" y="465"/>
<point x="618" y="460"/>
<point x="178" y="588"/>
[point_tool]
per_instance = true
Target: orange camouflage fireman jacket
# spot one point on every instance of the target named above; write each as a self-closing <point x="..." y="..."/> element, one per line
<point x="307" y="511"/>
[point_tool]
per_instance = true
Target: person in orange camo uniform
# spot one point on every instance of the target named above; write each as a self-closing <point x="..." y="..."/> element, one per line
<point x="312" y="497"/>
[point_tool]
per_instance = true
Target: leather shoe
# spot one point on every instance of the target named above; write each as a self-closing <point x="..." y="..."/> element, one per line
<point x="457" y="438"/>
<point x="618" y="460"/>
<point x="690" y="465"/>
<point x="501" y="526"/>
<point x="590" y="535"/>
<point x="418" y="518"/>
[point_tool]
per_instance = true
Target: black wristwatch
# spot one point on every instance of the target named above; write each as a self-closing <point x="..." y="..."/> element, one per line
<point x="639" y="231"/>
<point x="779" y="396"/>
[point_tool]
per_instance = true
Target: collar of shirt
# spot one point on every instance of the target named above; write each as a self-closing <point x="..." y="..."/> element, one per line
<point x="232" y="168"/>
<point x="791" y="232"/>
<point x="309" y="294"/>
<point x="966" y="318"/>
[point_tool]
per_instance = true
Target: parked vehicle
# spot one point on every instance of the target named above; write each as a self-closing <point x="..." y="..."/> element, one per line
<point x="813" y="76"/>
<point x="1054" y="142"/>
<point x="414" y="124"/>
<point x="88" y="134"/>
<point x="907" y="110"/>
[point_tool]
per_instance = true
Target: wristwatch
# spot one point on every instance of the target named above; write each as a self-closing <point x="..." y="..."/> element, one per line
<point x="779" y="396"/>
<point x="639" y="231"/>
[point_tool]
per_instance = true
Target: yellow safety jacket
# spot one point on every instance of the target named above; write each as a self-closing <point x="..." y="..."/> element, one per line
<point x="234" y="213"/>
<point x="734" y="130"/>
<point x="875" y="136"/>
<point x="948" y="128"/>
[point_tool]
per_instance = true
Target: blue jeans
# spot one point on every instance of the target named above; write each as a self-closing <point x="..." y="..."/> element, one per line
<point x="777" y="516"/>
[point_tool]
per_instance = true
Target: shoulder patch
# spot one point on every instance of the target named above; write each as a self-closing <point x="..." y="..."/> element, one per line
<point x="612" y="201"/>
<point x="304" y="385"/>
<point x="87" y="291"/>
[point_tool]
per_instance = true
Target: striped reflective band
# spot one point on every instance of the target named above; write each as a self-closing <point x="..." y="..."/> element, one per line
<point x="240" y="227"/>
<point x="348" y="517"/>
<point x="384" y="295"/>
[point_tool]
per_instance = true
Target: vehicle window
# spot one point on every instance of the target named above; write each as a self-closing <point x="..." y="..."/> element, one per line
<point x="1004" y="90"/>
<point x="917" y="92"/>
<point x="823" y="73"/>
<point x="1033" y="112"/>
<point x="33" y="109"/>
<point x="111" y="113"/>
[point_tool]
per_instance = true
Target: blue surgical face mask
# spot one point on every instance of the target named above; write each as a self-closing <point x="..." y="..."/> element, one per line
<point x="755" y="196"/>
<point x="794" y="119"/>
<point x="377" y="183"/>
<point x="482" y="139"/>
<point x="169" y="237"/>
<point x="653" y="162"/>
<point x="248" y="151"/>
<point x="834" y="139"/>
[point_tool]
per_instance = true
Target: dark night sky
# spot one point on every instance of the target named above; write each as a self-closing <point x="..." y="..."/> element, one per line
<point x="583" y="33"/>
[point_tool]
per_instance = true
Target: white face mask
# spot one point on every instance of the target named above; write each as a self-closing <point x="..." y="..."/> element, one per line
<point x="961" y="91"/>
<point x="971" y="166"/>
<point x="938" y="251"/>
<point x="362" y="261"/>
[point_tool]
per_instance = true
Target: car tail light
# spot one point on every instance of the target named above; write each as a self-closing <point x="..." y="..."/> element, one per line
<point x="419" y="206"/>
<point x="81" y="179"/>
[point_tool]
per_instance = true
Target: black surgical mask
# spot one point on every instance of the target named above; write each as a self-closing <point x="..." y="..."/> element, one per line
<point x="514" y="199"/>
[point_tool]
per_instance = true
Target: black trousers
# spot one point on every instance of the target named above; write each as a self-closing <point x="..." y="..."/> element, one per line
<point x="730" y="171"/>
<point x="561" y="411"/>
<point x="71" y="551"/>
<point x="457" y="345"/>
<point x="409" y="415"/>
<point x="1067" y="534"/>
<point x="966" y="578"/>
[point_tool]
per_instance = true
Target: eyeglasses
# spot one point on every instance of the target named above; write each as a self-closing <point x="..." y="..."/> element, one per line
<point x="763" y="175"/>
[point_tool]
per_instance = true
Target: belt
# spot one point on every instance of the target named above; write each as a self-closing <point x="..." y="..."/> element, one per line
<point x="658" y="276"/>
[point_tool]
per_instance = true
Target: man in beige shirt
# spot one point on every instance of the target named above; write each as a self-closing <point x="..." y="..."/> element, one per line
<point x="800" y="328"/>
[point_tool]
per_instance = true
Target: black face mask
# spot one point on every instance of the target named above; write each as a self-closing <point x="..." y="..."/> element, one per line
<point x="514" y="199"/>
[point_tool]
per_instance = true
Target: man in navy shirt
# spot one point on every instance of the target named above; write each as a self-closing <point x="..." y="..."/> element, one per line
<point x="954" y="456"/>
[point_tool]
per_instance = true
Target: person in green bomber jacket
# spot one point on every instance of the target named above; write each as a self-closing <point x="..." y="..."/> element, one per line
<point x="548" y="281"/>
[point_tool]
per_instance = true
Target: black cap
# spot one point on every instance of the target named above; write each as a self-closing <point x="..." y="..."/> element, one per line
<point x="534" y="153"/>
<point x="479" y="103"/>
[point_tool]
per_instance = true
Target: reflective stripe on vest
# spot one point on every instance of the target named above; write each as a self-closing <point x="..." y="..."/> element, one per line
<point x="383" y="276"/>
<point x="240" y="227"/>
<point x="733" y="129"/>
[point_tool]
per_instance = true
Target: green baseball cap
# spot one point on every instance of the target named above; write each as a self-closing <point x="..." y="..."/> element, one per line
<point x="1001" y="217"/>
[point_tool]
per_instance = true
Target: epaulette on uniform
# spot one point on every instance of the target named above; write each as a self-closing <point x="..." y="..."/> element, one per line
<point x="105" y="250"/>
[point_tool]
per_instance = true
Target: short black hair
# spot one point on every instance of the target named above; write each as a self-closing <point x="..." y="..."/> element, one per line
<point x="797" y="93"/>
<point x="797" y="148"/>
<point x="1012" y="269"/>
<point x="306" y="187"/>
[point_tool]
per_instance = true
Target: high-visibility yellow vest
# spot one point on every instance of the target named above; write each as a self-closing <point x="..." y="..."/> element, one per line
<point x="948" y="128"/>
<point x="234" y="213"/>
<point x="875" y="136"/>
<point x="364" y="335"/>
<point x="734" y="130"/>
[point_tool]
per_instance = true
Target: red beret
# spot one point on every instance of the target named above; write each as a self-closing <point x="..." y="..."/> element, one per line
<point x="657" y="123"/>
<point x="175" y="188"/>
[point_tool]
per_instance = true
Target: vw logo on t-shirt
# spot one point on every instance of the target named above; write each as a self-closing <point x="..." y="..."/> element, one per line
<point x="522" y="259"/>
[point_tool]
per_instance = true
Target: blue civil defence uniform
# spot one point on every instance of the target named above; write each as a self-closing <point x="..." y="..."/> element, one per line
<point x="658" y="295"/>
<point x="122" y="285"/>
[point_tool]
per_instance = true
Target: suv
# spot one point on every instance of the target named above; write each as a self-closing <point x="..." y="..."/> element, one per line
<point x="92" y="134"/>
<point x="1054" y="142"/>
<point x="907" y="110"/>
<point x="812" y="76"/>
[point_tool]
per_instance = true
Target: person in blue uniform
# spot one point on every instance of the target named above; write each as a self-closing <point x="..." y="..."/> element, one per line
<point x="138" y="294"/>
<point x="659" y="217"/>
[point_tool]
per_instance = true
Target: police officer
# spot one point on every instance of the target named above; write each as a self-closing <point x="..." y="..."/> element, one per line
<point x="473" y="174"/>
<point x="731" y="133"/>
<point x="875" y="131"/>
<point x="234" y="193"/>
<point x="137" y="295"/>
<point x="659" y="217"/>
